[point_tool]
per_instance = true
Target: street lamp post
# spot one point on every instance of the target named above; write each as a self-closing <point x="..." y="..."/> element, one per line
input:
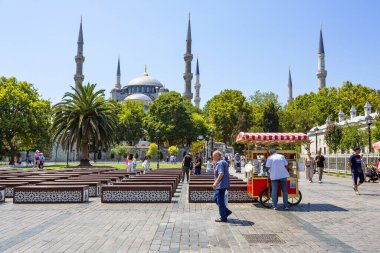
<point x="200" y="138"/>
<point x="316" y="129"/>
<point x="68" y="147"/>
<point x="212" y="141"/>
<point x="368" y="120"/>
<point x="158" y="148"/>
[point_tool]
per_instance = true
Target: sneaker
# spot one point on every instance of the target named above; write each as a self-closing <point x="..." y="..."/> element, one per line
<point x="320" y="181"/>
<point x="286" y="208"/>
<point x="274" y="208"/>
<point x="229" y="213"/>
<point x="220" y="220"/>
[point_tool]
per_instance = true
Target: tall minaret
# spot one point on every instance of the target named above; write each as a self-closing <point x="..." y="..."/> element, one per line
<point x="321" y="73"/>
<point x="197" y="87"/>
<point x="79" y="58"/>
<point x="290" y="88"/>
<point x="118" y="75"/>
<point x="188" y="57"/>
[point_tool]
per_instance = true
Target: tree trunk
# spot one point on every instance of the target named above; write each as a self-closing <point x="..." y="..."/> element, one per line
<point x="84" y="162"/>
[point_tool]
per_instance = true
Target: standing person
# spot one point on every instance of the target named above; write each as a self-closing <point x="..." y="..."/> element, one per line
<point x="208" y="165"/>
<point x="42" y="161"/>
<point x="242" y="161"/>
<point x="130" y="163"/>
<point x="134" y="163"/>
<point x="198" y="164"/>
<point x="355" y="164"/>
<point x="309" y="167"/>
<point x="238" y="163"/>
<point x="186" y="164"/>
<point x="276" y="164"/>
<point x="320" y="162"/>
<point x="221" y="184"/>
<point x="37" y="159"/>
<point x="146" y="164"/>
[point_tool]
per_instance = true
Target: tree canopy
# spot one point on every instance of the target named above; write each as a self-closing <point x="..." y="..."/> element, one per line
<point x="130" y="121"/>
<point x="24" y="118"/>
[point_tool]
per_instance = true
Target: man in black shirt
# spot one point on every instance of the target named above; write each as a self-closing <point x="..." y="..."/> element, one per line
<point x="320" y="161"/>
<point x="198" y="165"/>
<point x="355" y="163"/>
<point x="186" y="165"/>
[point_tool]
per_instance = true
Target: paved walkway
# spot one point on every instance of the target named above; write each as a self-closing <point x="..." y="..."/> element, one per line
<point x="330" y="218"/>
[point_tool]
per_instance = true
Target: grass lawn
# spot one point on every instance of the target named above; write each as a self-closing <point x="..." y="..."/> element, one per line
<point x="57" y="166"/>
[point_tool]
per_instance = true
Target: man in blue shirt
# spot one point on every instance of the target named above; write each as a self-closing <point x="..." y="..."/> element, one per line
<point x="356" y="169"/>
<point x="221" y="184"/>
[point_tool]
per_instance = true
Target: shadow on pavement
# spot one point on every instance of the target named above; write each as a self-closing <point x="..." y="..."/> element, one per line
<point x="317" y="208"/>
<point x="237" y="222"/>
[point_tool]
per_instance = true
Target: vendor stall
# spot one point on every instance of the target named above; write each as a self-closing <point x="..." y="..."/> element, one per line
<point x="258" y="176"/>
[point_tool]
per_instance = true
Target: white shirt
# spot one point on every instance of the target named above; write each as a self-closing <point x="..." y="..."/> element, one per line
<point x="277" y="163"/>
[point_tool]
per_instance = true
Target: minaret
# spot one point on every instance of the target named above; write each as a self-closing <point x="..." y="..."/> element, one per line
<point x="197" y="87"/>
<point x="290" y="88"/>
<point x="188" y="57"/>
<point x="321" y="73"/>
<point x="118" y="76"/>
<point x="79" y="58"/>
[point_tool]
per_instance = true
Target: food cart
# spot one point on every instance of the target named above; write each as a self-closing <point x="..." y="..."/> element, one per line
<point x="258" y="179"/>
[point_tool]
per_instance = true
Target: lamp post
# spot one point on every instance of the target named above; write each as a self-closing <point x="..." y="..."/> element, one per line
<point x="212" y="141"/>
<point x="368" y="120"/>
<point x="158" y="148"/>
<point x="316" y="129"/>
<point x="200" y="138"/>
<point x="68" y="147"/>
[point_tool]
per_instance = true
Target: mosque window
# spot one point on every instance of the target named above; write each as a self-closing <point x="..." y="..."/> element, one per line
<point x="139" y="89"/>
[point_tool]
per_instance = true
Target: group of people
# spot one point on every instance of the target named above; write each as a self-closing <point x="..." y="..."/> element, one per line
<point x="313" y="165"/>
<point x="131" y="163"/>
<point x="39" y="159"/>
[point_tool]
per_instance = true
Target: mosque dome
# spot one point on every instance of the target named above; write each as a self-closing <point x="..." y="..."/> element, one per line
<point x="145" y="80"/>
<point x="139" y="97"/>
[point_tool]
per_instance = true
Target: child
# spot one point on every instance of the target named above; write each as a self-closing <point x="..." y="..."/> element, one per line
<point x="208" y="166"/>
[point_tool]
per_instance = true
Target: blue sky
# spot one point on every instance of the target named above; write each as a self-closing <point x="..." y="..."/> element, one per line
<point x="246" y="45"/>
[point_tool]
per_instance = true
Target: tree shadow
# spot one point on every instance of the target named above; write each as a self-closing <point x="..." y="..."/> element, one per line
<point x="238" y="222"/>
<point x="308" y="208"/>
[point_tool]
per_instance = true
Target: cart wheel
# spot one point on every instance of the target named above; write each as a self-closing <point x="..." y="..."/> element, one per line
<point x="295" y="200"/>
<point x="265" y="198"/>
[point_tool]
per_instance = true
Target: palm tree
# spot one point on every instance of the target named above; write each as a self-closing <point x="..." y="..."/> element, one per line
<point x="84" y="116"/>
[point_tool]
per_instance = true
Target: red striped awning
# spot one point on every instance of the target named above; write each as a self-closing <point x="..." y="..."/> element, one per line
<point x="264" y="138"/>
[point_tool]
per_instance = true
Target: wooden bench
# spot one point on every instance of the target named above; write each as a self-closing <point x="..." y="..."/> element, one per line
<point x="103" y="181"/>
<point x="141" y="179"/>
<point x="205" y="193"/>
<point x="137" y="194"/>
<point x="2" y="193"/>
<point x="9" y="187"/>
<point x="94" y="188"/>
<point x="51" y="194"/>
<point x="150" y="183"/>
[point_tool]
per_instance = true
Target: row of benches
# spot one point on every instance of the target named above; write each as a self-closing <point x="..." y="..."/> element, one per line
<point x="72" y="186"/>
<point x="201" y="191"/>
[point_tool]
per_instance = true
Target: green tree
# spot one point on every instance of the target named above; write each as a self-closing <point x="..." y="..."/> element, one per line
<point x="196" y="147"/>
<point x="353" y="136"/>
<point x="333" y="136"/>
<point x="130" y="121"/>
<point x="228" y="113"/>
<point x="376" y="130"/>
<point x="173" y="150"/>
<point x="120" y="151"/>
<point x="270" y="118"/>
<point x="152" y="150"/>
<point x="258" y="102"/>
<point x="169" y="114"/>
<point x="82" y="116"/>
<point x="24" y="118"/>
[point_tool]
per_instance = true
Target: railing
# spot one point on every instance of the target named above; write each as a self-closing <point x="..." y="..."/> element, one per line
<point x="339" y="163"/>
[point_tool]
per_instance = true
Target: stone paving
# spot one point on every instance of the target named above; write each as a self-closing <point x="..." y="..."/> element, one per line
<point x="330" y="218"/>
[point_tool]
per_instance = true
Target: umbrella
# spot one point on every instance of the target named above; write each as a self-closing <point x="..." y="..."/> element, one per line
<point x="376" y="145"/>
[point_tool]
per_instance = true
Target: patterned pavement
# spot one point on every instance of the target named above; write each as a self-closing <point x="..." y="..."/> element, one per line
<point x="330" y="218"/>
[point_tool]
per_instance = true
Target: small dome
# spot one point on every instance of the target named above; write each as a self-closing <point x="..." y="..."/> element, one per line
<point x="139" y="97"/>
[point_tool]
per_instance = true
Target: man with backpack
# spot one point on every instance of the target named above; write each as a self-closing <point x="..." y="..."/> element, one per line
<point x="187" y="164"/>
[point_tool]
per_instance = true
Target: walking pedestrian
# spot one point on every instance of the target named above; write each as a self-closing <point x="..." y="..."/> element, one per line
<point x="276" y="164"/>
<point x="355" y="164"/>
<point x="130" y="163"/>
<point x="146" y="164"/>
<point x="208" y="165"/>
<point x="237" y="163"/>
<point x="320" y="162"/>
<point x="186" y="165"/>
<point x="221" y="184"/>
<point x="309" y="167"/>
